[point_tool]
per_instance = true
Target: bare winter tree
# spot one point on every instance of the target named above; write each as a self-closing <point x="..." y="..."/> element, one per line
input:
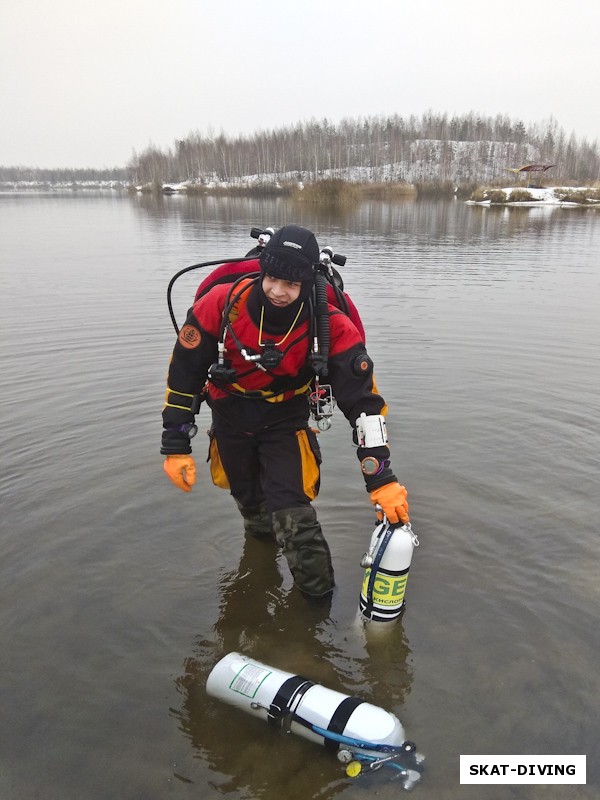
<point x="431" y="148"/>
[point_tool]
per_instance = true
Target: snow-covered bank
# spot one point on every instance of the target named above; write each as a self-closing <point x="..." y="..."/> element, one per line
<point x="61" y="186"/>
<point x="564" y="196"/>
<point x="538" y="196"/>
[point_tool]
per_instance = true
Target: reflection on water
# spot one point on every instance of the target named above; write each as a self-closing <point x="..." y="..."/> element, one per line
<point x="118" y="594"/>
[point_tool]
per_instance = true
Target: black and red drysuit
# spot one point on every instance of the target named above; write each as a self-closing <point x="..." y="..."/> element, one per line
<point x="262" y="448"/>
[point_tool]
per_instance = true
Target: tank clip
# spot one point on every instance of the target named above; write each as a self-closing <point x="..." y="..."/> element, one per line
<point x="413" y="535"/>
<point x="322" y="403"/>
<point x="368" y="558"/>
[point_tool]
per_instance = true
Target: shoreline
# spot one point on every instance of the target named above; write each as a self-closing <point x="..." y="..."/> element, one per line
<point x="343" y="191"/>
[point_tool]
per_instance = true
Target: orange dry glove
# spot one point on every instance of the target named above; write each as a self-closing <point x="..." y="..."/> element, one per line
<point x="392" y="499"/>
<point x="182" y="471"/>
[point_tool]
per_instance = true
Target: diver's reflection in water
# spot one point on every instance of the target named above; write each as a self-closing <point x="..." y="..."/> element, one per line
<point x="262" y="615"/>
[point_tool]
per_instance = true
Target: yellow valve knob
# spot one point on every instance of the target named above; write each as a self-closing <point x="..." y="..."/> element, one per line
<point x="353" y="769"/>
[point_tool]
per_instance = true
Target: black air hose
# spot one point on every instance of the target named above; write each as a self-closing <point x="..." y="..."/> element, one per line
<point x="322" y="317"/>
<point x="188" y="269"/>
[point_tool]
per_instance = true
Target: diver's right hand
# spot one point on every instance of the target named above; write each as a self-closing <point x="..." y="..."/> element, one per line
<point x="182" y="471"/>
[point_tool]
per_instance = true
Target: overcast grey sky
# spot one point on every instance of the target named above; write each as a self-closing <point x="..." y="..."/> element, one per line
<point x="86" y="82"/>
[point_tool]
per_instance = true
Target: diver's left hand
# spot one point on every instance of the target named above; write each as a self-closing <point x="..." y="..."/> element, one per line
<point x="392" y="497"/>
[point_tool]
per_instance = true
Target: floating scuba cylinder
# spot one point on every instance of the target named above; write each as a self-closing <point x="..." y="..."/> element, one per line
<point x="322" y="715"/>
<point x="386" y="564"/>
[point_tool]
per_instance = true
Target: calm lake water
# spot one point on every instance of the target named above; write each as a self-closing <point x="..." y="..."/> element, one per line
<point x="119" y="593"/>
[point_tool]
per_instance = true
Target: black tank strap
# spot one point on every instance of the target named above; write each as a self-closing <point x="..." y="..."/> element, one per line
<point x="340" y="719"/>
<point x="280" y="705"/>
<point x="374" y="567"/>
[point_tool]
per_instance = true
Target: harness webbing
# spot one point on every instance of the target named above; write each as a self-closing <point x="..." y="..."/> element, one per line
<point x="369" y="608"/>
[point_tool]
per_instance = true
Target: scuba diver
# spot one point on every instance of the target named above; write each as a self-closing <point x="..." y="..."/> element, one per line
<point x="255" y="350"/>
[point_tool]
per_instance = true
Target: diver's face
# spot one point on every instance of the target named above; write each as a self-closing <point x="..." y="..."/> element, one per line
<point x="279" y="292"/>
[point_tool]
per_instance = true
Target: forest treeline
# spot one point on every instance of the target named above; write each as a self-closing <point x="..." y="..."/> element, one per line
<point x="63" y="175"/>
<point x="433" y="148"/>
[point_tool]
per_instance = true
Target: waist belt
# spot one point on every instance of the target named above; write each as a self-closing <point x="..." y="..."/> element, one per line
<point x="269" y="395"/>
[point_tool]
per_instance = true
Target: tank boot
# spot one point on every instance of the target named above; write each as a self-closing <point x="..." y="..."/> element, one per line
<point x="300" y="536"/>
<point x="257" y="521"/>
